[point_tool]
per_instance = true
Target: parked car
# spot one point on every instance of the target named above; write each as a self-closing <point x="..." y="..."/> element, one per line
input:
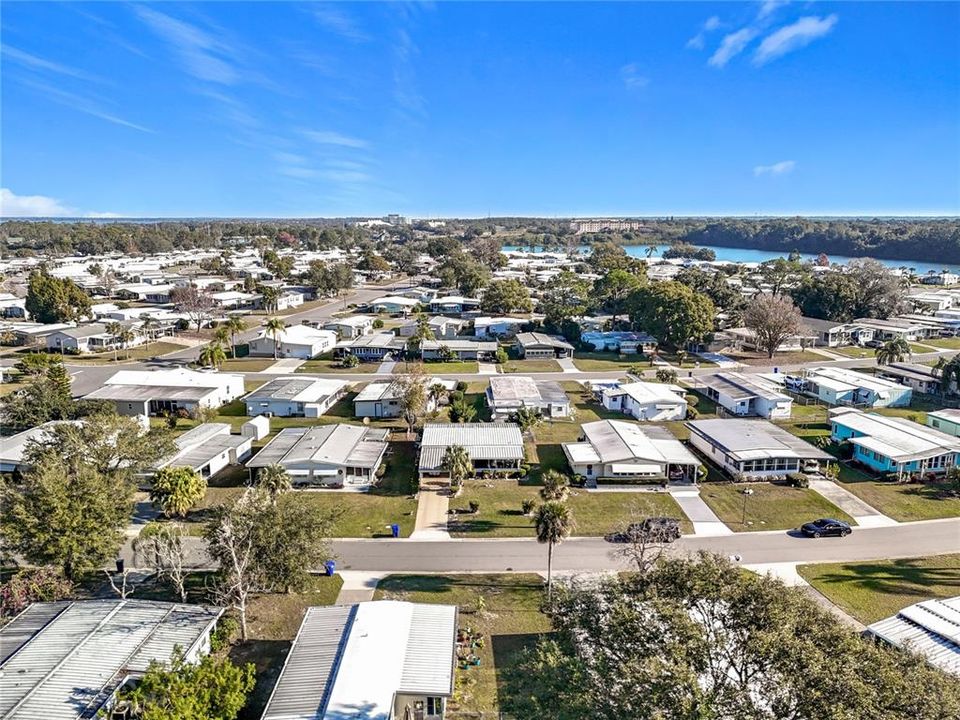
<point x="826" y="526"/>
<point x="654" y="529"/>
<point x="873" y="343"/>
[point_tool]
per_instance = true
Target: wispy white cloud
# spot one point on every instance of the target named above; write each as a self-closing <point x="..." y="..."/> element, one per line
<point x="331" y="137"/>
<point x="768" y="7"/>
<point x="346" y="176"/>
<point x="34" y="62"/>
<point x="780" y="168"/>
<point x="406" y="93"/>
<point x="699" y="40"/>
<point x="732" y="45"/>
<point x="792" y="37"/>
<point x="13" y="205"/>
<point x="82" y="104"/>
<point x="103" y="215"/>
<point x="201" y="53"/>
<point x="632" y="77"/>
<point x="333" y="18"/>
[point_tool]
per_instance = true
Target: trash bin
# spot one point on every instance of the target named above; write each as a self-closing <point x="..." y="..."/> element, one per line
<point x="395" y="530"/>
<point x="119" y="566"/>
<point x="330" y="566"/>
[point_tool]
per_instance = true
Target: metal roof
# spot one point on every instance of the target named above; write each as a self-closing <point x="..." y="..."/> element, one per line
<point x="348" y="661"/>
<point x="74" y="661"/>
<point x="619" y="440"/>
<point x="339" y="444"/>
<point x="460" y="345"/>
<point x="844" y="378"/>
<point x="389" y="389"/>
<point x="897" y="438"/>
<point x="741" y="387"/>
<point x="142" y="393"/>
<point x="930" y="628"/>
<point x="482" y="441"/>
<point x="752" y="439"/>
<point x="297" y="389"/>
<point x="513" y="390"/>
<point x="532" y="339"/>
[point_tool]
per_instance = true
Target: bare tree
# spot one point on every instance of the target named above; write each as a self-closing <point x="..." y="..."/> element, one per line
<point x="161" y="547"/>
<point x="192" y="302"/>
<point x="124" y="590"/>
<point x="773" y="319"/>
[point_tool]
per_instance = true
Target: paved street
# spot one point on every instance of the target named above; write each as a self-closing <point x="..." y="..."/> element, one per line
<point x="932" y="537"/>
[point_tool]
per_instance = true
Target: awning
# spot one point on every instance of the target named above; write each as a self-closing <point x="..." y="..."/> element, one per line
<point x="635" y="469"/>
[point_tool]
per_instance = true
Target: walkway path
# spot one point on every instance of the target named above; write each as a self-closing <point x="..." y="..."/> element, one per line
<point x="705" y="521"/>
<point x="567" y="365"/>
<point x="865" y="515"/>
<point x="358" y="586"/>
<point x="487" y="369"/>
<point x="386" y="367"/>
<point x="283" y="366"/>
<point x="432" y="507"/>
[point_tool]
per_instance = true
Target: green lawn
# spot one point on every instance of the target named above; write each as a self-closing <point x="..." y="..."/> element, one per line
<point x="531" y="366"/>
<point x="141" y="352"/>
<point x="903" y="502"/>
<point x="248" y="364"/>
<point x="781" y="358"/>
<point x="509" y="622"/>
<point x="608" y="361"/>
<point x="771" y="507"/>
<point x="444" y="368"/>
<point x="871" y="591"/>
<point x="328" y="365"/>
<point x="852" y="351"/>
<point x="595" y="513"/>
<point x="947" y="343"/>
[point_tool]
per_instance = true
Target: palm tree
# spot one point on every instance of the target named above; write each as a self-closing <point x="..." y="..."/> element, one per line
<point x="114" y="328"/>
<point x="270" y="297"/>
<point x="213" y="356"/>
<point x="527" y="418"/>
<point x="126" y="337"/>
<point x="949" y="373"/>
<point x="149" y="327"/>
<point x="435" y="393"/>
<point x="553" y="522"/>
<point x="274" y="479"/>
<point x="457" y="463"/>
<point x="556" y="486"/>
<point x="275" y="327"/>
<point x="893" y="351"/>
<point x="235" y="325"/>
<point x="221" y="336"/>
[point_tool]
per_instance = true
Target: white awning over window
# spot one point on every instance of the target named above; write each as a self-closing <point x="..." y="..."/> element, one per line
<point x="635" y="469"/>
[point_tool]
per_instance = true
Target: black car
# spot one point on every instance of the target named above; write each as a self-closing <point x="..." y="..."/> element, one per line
<point x="654" y="529"/>
<point x="825" y="526"/>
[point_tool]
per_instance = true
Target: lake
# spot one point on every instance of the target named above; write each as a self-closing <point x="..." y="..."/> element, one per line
<point x="746" y="255"/>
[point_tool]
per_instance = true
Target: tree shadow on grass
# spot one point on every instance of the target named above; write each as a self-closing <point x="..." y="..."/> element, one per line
<point x="898" y="577"/>
<point x="508" y="650"/>
<point x="267" y="657"/>
<point x="481" y="527"/>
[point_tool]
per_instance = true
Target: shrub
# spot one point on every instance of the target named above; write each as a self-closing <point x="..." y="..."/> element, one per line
<point x="692" y="413"/>
<point x="226" y="630"/>
<point x="474" y="506"/>
<point x="377" y="324"/>
<point x="798" y="480"/>
<point x="30" y="586"/>
<point x="462" y="386"/>
<point x="527" y="506"/>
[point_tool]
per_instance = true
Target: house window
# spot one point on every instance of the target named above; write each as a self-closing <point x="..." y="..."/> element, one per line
<point x="589" y="469"/>
<point x="935" y="423"/>
<point x="434" y="706"/>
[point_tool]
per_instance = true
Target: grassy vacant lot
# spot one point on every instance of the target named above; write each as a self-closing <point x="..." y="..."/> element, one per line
<point x="595" y="513"/>
<point x="608" y="361"/>
<point x="443" y="368"/>
<point x="903" y="502"/>
<point x="531" y="366"/>
<point x="141" y="352"/>
<point x="853" y="351"/>
<point x="871" y="591"/>
<point x="781" y="358"/>
<point x="947" y="343"/>
<point x="247" y="364"/>
<point x="329" y="365"/>
<point x="510" y="622"/>
<point x="771" y="507"/>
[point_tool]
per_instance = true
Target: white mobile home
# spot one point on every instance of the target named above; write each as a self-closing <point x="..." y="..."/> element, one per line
<point x="209" y="448"/>
<point x="645" y="400"/>
<point x="296" y="341"/>
<point x="492" y="447"/>
<point x="842" y="386"/>
<point x="508" y="393"/>
<point x="741" y="394"/>
<point x="155" y="392"/>
<point x="381" y="399"/>
<point x="295" y="397"/>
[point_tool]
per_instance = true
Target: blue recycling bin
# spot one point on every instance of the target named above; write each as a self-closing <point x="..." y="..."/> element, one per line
<point x="395" y="530"/>
<point x="330" y="566"/>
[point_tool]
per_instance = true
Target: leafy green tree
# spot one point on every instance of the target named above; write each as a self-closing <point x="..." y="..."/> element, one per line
<point x="461" y="410"/>
<point x="235" y="325"/>
<point x="70" y="517"/>
<point x="371" y="262"/>
<point x="893" y="351"/>
<point x="666" y="375"/>
<point x="611" y="291"/>
<point x="606" y="256"/>
<point x="553" y="523"/>
<point x="948" y="371"/>
<point x="695" y="638"/>
<point x="526" y="418"/>
<point x="457" y="463"/>
<point x="462" y="271"/>
<point x="500" y="357"/>
<point x="506" y="296"/>
<point x="672" y="313"/>
<point x="174" y="490"/>
<point x="556" y="486"/>
<point x="55" y="300"/>
<point x="269" y="297"/>
<point x="212" y="689"/>
<point x="412" y="396"/>
<point x="44" y="397"/>
<point x="868" y="289"/>
<point x="565" y="297"/>
<point x="773" y="319"/>
<point x="32" y="585"/>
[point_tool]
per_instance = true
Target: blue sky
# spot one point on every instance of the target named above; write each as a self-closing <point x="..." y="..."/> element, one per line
<point x="474" y="109"/>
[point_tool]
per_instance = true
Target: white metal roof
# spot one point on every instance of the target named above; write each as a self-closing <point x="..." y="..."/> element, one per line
<point x="179" y="377"/>
<point x="754" y="439"/>
<point x="339" y="444"/>
<point x="351" y="661"/>
<point x="389" y="389"/>
<point x="482" y="441"/>
<point x="297" y="389"/>
<point x="646" y="393"/>
<point x="839" y="378"/>
<point x="301" y="335"/>
<point x="930" y="628"/>
<point x="622" y="441"/>
<point x="897" y="438"/>
<point x="72" y="662"/>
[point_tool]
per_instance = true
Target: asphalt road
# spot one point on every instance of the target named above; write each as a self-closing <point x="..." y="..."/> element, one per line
<point x="932" y="537"/>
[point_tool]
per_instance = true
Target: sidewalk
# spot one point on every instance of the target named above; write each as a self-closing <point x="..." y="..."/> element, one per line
<point x="358" y="586"/>
<point x="432" y="506"/>
<point x="568" y="365"/>
<point x="386" y="367"/>
<point x="705" y="522"/>
<point x="284" y="366"/>
<point x="865" y="515"/>
<point x="487" y="369"/>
